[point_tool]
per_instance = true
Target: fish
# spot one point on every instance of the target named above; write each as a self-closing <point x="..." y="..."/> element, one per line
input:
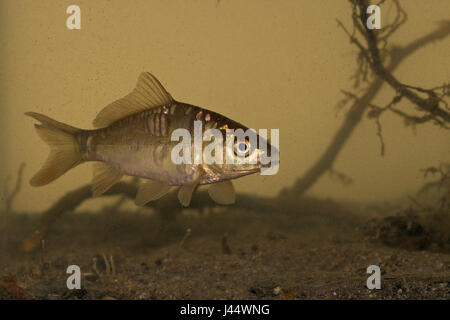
<point x="132" y="137"/>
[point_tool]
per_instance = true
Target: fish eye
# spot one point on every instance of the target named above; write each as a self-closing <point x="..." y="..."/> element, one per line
<point x="242" y="148"/>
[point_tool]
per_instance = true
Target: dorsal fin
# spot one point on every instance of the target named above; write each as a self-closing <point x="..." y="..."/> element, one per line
<point x="148" y="94"/>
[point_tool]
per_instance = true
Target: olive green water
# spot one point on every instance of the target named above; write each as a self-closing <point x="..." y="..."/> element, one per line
<point x="265" y="64"/>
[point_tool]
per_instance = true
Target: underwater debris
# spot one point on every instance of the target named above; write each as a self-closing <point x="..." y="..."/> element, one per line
<point x="225" y="247"/>
<point x="11" y="195"/>
<point x="188" y="233"/>
<point x="265" y="291"/>
<point x="398" y="230"/>
<point x="14" y="289"/>
<point x="411" y="230"/>
<point x="94" y="267"/>
<point x="77" y="294"/>
<point x="107" y="264"/>
<point x="277" y="290"/>
<point x="288" y="295"/>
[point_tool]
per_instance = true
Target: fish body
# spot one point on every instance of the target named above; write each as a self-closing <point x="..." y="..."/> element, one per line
<point x="133" y="138"/>
<point x="140" y="145"/>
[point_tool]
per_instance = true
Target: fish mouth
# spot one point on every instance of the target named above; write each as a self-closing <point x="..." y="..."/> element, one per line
<point x="271" y="164"/>
<point x="255" y="168"/>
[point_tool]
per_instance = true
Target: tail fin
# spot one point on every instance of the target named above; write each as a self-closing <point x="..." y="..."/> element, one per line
<point x="64" y="149"/>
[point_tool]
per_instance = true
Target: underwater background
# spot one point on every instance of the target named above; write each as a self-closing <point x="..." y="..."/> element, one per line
<point x="266" y="64"/>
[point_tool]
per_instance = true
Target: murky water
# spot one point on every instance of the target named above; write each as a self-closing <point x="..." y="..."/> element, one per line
<point x="267" y="65"/>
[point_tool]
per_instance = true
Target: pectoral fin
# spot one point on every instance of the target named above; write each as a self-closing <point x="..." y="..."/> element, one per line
<point x="105" y="176"/>
<point x="186" y="191"/>
<point x="222" y="192"/>
<point x="151" y="190"/>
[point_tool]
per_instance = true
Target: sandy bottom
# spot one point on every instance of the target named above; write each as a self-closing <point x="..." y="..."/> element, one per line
<point x="322" y="252"/>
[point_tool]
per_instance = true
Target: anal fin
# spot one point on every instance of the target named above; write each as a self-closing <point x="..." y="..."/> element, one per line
<point x="222" y="192"/>
<point x="105" y="176"/>
<point x="151" y="190"/>
<point x="186" y="191"/>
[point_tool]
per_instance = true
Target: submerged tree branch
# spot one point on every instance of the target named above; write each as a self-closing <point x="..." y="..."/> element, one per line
<point x="5" y="216"/>
<point x="361" y="104"/>
<point x="431" y="104"/>
<point x="10" y="196"/>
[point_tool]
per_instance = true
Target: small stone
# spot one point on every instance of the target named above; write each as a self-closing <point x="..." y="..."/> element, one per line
<point x="277" y="290"/>
<point x="90" y="276"/>
<point x="143" y="296"/>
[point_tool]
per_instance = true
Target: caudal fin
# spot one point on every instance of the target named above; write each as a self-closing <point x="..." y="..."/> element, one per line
<point x="64" y="149"/>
